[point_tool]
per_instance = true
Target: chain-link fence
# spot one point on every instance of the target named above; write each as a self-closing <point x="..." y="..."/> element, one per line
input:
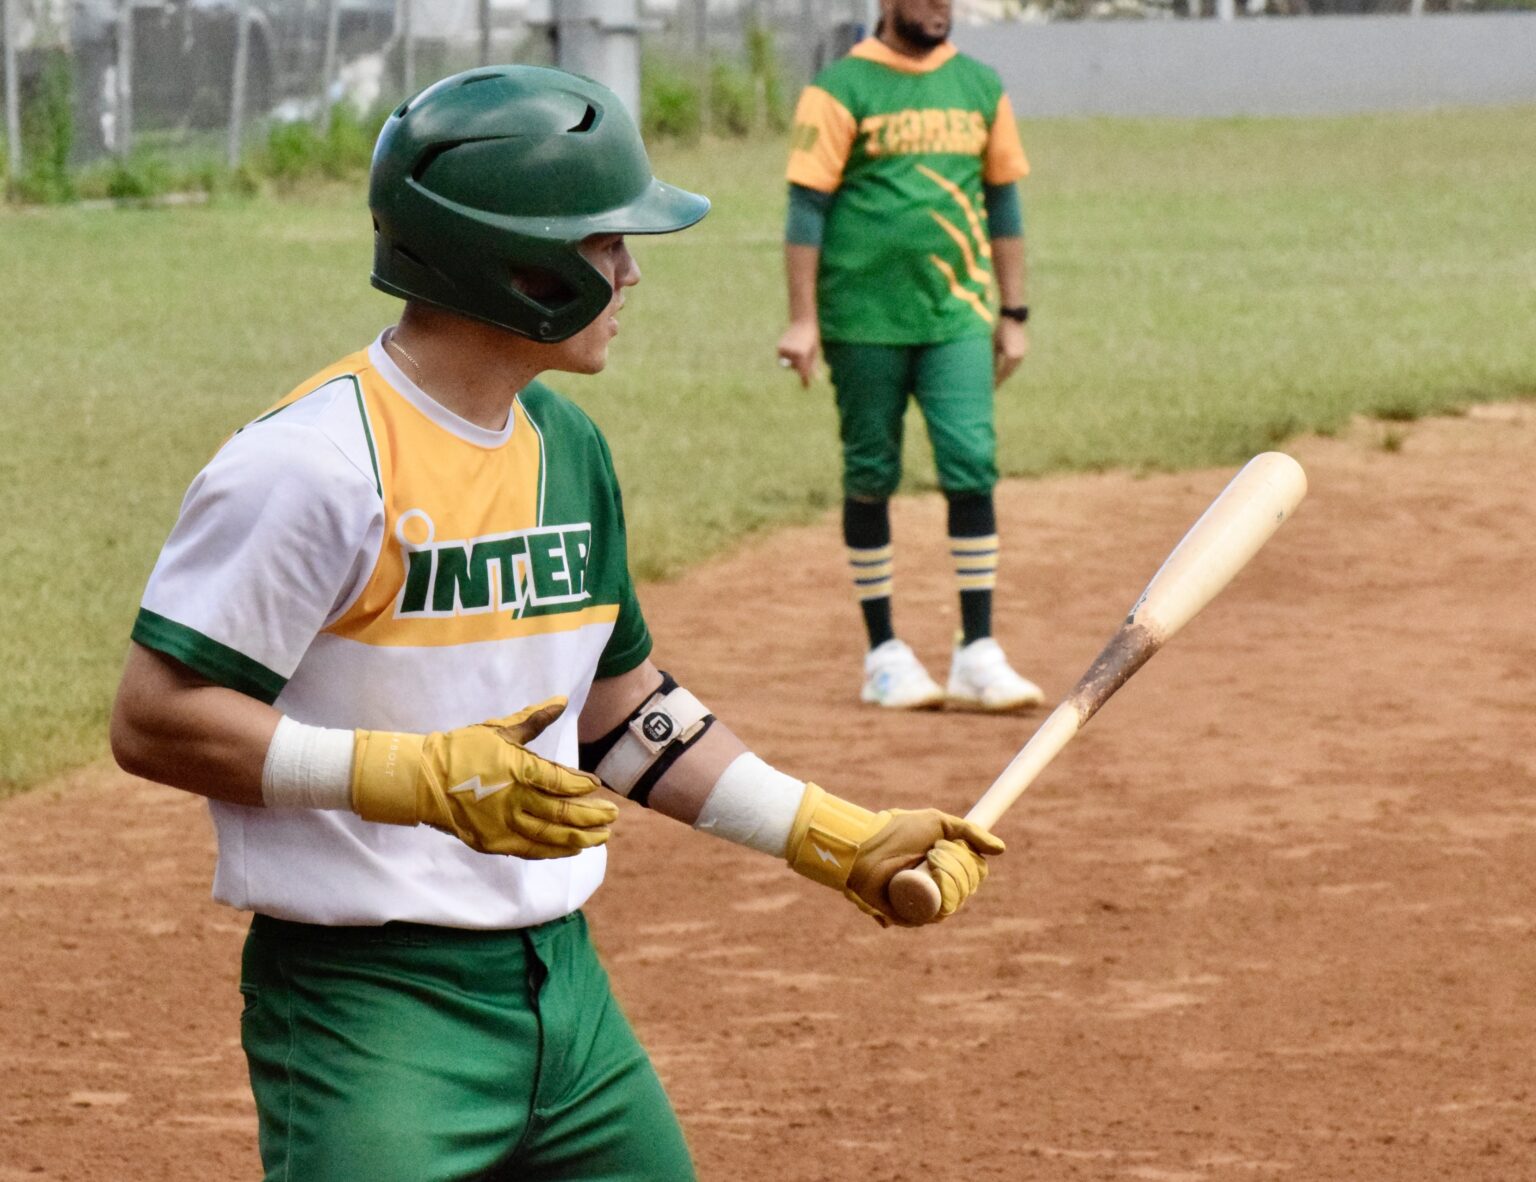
<point x="87" y="80"/>
<point x="103" y="77"/>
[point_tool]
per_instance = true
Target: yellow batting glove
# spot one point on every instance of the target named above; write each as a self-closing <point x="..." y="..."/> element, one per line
<point x="841" y="845"/>
<point x="959" y="870"/>
<point x="481" y="784"/>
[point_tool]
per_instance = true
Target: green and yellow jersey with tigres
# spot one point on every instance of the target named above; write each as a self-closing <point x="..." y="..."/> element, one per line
<point x="906" y="146"/>
<point x="361" y="557"/>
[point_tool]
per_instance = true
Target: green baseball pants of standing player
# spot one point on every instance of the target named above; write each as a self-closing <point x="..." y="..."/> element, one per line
<point x="409" y="1053"/>
<point x="952" y="383"/>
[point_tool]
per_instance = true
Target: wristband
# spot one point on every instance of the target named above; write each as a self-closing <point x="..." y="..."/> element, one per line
<point x="752" y="804"/>
<point x="1019" y="312"/>
<point x="307" y="767"/>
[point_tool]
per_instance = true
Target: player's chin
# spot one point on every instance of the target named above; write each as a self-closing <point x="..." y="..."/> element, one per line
<point x="591" y="360"/>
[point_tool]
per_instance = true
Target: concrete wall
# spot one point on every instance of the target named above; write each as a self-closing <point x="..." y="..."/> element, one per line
<point x="1280" y="66"/>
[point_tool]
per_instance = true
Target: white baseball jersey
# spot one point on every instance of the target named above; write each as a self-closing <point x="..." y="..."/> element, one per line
<point x="361" y="557"/>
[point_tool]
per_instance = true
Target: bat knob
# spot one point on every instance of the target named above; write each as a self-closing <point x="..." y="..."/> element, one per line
<point x="914" y="896"/>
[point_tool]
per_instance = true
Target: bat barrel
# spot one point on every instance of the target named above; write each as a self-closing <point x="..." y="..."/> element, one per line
<point x="1229" y="533"/>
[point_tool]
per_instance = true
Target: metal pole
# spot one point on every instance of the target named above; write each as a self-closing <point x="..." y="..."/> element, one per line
<point x="601" y="39"/>
<point x="485" y="32"/>
<point x="237" y="82"/>
<point x="328" y="62"/>
<point x="408" y="48"/>
<point x="122" y="99"/>
<point x="12" y="92"/>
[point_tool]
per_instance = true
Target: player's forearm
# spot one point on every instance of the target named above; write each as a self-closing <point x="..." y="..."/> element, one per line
<point x="171" y="726"/>
<point x="800" y="266"/>
<point x="1010" y="265"/>
<point x="649" y="739"/>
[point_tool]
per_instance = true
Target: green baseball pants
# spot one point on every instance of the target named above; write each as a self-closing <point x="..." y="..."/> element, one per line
<point x="952" y="383"/>
<point x="411" y="1053"/>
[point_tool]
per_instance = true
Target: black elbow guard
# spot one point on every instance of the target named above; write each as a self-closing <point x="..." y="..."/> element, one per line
<point x="634" y="755"/>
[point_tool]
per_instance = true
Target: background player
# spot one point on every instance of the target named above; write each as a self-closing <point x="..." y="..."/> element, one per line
<point x="903" y="209"/>
<point x="418" y="538"/>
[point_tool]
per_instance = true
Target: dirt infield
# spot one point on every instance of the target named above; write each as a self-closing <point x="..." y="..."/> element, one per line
<point x="1272" y="916"/>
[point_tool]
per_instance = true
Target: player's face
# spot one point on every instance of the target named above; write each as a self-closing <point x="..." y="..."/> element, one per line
<point x="587" y="351"/>
<point x="923" y="24"/>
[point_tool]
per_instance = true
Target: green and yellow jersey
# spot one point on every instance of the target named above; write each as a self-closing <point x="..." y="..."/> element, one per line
<point x="361" y="557"/>
<point x="906" y="146"/>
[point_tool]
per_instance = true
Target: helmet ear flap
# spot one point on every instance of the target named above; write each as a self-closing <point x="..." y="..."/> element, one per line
<point x="560" y="291"/>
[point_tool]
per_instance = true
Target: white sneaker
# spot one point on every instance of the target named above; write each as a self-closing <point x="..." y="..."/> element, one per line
<point x="896" y="679"/>
<point x="980" y="678"/>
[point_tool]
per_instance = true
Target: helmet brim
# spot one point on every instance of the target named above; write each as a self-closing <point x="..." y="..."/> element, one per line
<point x="661" y="209"/>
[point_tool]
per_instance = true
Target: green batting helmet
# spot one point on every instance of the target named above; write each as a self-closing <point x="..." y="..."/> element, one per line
<point x="504" y="170"/>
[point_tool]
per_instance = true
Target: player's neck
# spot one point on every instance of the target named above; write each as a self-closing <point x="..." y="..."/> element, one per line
<point x="469" y="368"/>
<point x="896" y="43"/>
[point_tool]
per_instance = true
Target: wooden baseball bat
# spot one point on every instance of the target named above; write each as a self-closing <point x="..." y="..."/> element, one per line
<point x="1228" y="534"/>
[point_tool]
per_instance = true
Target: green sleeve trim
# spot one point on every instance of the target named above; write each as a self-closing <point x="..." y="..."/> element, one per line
<point x="1005" y="212"/>
<point x="613" y="663"/>
<point x="217" y="662"/>
<point x="807" y="216"/>
<point x="373" y="454"/>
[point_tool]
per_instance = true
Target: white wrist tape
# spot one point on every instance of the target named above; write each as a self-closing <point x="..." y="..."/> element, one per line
<point x="308" y="767"/>
<point x="664" y="720"/>
<point x="753" y="805"/>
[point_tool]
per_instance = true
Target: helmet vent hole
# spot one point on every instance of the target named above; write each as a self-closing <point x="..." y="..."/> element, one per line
<point x="588" y="121"/>
<point x="428" y="159"/>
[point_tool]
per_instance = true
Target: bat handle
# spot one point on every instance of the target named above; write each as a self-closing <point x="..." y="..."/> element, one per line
<point x="914" y="895"/>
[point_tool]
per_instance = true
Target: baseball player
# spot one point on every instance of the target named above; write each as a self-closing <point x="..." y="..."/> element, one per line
<point x="394" y="640"/>
<point x="903" y="217"/>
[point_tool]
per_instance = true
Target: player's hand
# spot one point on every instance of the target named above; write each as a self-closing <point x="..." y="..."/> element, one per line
<point x="481" y="784"/>
<point x="1010" y="345"/>
<point x="952" y="848"/>
<point x="842" y="845"/>
<point x="798" y="348"/>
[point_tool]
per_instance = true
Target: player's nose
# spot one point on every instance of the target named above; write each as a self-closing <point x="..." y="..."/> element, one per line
<point x="629" y="270"/>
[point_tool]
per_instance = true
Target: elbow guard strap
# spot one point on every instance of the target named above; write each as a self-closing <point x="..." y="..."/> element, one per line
<point x="632" y="757"/>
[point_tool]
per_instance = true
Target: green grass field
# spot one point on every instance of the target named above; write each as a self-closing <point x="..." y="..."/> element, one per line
<point x="1202" y="291"/>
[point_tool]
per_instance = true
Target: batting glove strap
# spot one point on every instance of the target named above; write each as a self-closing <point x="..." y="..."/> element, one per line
<point x="386" y="766"/>
<point x="826" y="836"/>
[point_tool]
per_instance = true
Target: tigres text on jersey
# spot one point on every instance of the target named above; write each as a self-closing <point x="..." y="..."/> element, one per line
<point x="906" y="145"/>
